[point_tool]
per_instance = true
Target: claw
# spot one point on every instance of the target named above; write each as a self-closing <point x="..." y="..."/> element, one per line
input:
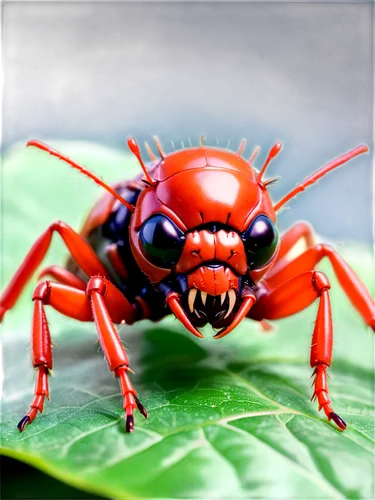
<point x="23" y="422"/>
<point x="140" y="407"/>
<point x="129" y="426"/>
<point x="338" y="420"/>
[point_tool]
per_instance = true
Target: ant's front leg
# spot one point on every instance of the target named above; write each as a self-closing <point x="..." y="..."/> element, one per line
<point x="102" y="293"/>
<point x="294" y="296"/>
<point x="75" y="305"/>
<point x="355" y="290"/>
<point x="108" y="305"/>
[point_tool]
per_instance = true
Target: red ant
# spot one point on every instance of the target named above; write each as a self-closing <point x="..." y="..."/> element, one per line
<point x="195" y="236"/>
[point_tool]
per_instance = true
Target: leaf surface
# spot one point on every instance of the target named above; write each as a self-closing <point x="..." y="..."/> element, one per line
<point x="227" y="419"/>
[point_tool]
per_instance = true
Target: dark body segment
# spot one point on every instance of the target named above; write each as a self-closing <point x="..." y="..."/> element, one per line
<point x="109" y="239"/>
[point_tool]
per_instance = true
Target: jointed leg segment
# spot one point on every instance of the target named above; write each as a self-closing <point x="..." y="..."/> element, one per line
<point x="41" y="353"/>
<point x="321" y="348"/>
<point x="80" y="250"/>
<point x="100" y="291"/>
<point x="63" y="276"/>
<point x="293" y="296"/>
<point x="285" y="269"/>
<point x="106" y="303"/>
<point x="292" y="285"/>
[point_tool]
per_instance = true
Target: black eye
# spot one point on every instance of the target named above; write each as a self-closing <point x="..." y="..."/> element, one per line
<point x="161" y="241"/>
<point x="260" y="241"/>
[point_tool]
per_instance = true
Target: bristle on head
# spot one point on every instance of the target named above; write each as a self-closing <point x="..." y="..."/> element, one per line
<point x="241" y="148"/>
<point x="202" y="142"/>
<point x="134" y="148"/>
<point x="161" y="153"/>
<point x="271" y="182"/>
<point x="149" y="151"/>
<point x="252" y="157"/>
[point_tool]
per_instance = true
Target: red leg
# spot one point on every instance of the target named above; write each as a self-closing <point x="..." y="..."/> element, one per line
<point x="102" y="292"/>
<point x="63" y="276"/>
<point x="352" y="285"/>
<point x="266" y="327"/>
<point x="301" y="230"/>
<point x="115" y="260"/>
<point x="350" y="282"/>
<point x="80" y="250"/>
<point x="291" y="297"/>
<point x="82" y="305"/>
<point x="75" y="304"/>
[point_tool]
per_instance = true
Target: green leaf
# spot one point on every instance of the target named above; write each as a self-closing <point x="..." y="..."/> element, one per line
<point x="227" y="419"/>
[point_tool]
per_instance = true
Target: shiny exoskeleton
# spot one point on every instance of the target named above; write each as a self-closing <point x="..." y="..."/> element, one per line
<point x="195" y="236"/>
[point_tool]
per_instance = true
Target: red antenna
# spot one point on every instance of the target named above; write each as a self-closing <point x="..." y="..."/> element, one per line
<point x="60" y="156"/>
<point x="274" y="150"/>
<point x="322" y="171"/>
<point x="134" y="148"/>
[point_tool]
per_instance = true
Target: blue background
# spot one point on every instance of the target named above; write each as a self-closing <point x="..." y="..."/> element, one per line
<point x="296" y="72"/>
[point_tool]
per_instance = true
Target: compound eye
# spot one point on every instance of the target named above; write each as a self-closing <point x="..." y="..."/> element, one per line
<point x="260" y="241"/>
<point x="161" y="241"/>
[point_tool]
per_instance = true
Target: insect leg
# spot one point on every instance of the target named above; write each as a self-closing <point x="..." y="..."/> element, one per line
<point x="108" y="303"/>
<point x="64" y="276"/>
<point x="302" y="232"/>
<point x="76" y="304"/>
<point x="80" y="250"/>
<point x="350" y="282"/>
<point x="293" y="296"/>
<point x="265" y="326"/>
<point x="73" y="303"/>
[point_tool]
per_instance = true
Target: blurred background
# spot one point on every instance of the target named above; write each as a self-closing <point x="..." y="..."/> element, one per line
<point x="300" y="73"/>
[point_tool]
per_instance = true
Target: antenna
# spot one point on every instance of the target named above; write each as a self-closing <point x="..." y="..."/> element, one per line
<point x="322" y="171"/>
<point x="274" y="150"/>
<point x="134" y="148"/>
<point x="60" y="156"/>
